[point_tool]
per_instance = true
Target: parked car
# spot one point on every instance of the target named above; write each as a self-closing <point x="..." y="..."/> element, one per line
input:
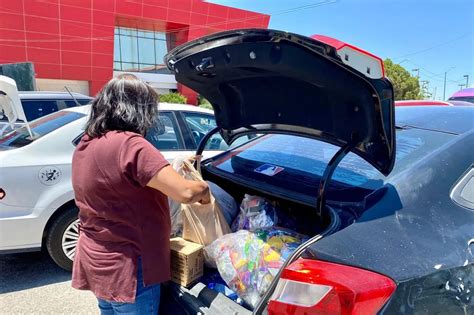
<point x="466" y="95"/>
<point x="391" y="228"/>
<point x="37" y="208"/>
<point x="461" y="103"/>
<point x="38" y="104"/>
<point x="422" y="103"/>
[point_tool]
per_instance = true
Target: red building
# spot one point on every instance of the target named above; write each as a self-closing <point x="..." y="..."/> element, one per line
<point x="84" y="43"/>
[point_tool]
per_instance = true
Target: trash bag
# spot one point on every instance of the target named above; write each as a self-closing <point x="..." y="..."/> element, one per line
<point x="248" y="261"/>
<point x="201" y="224"/>
<point x="225" y="201"/>
<point x="255" y="212"/>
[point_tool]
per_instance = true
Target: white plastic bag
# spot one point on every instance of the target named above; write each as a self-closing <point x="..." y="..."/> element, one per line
<point x="255" y="212"/>
<point x="248" y="261"/>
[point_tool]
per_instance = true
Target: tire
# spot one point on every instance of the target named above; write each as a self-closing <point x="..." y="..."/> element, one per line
<point x="62" y="238"/>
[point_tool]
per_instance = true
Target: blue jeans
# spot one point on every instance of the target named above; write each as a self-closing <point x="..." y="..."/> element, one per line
<point x="147" y="300"/>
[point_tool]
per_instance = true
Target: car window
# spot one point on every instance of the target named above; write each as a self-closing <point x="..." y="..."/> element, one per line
<point x="463" y="191"/>
<point x="62" y="104"/>
<point x="469" y="99"/>
<point x="170" y="140"/>
<point x="442" y="118"/>
<point x="306" y="159"/>
<point x="38" y="108"/>
<point x="40" y="127"/>
<point x="200" y="124"/>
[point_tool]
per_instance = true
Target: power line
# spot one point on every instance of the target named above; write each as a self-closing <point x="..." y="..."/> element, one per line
<point x="210" y="25"/>
<point x="435" y="46"/>
<point x="432" y="75"/>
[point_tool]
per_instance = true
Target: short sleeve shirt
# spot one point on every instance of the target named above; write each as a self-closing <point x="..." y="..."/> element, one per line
<point x="120" y="217"/>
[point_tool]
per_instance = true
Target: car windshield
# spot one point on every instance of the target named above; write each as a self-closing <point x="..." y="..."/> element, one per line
<point x="40" y="127"/>
<point x="36" y="108"/>
<point x="451" y="119"/>
<point x="279" y="159"/>
<point x="469" y="99"/>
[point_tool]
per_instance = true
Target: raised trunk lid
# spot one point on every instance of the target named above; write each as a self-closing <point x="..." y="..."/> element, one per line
<point x="273" y="81"/>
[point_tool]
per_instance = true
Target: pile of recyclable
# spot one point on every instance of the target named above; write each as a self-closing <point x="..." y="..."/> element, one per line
<point x="249" y="258"/>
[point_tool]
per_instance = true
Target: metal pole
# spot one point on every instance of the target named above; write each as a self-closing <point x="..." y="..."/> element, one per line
<point x="444" y="90"/>
<point x="467" y="80"/>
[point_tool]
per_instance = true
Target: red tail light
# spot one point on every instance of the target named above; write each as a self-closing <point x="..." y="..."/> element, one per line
<point x="2" y="193"/>
<point x="318" y="287"/>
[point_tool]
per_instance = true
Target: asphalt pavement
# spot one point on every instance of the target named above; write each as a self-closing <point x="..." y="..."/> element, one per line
<point x="30" y="283"/>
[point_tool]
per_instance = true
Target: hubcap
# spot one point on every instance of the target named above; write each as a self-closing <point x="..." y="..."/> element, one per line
<point x="70" y="238"/>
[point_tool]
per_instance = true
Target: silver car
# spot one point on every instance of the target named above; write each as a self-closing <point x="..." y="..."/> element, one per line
<point x="37" y="208"/>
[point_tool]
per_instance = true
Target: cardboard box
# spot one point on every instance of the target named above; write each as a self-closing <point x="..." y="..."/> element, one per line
<point x="187" y="261"/>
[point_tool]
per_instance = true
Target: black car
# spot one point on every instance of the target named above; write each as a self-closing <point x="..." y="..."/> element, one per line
<point x="388" y="203"/>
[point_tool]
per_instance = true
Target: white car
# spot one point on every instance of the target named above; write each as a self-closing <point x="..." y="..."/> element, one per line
<point x="37" y="208"/>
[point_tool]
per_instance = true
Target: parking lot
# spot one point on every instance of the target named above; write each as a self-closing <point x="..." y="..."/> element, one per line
<point x="211" y="157"/>
<point x="32" y="283"/>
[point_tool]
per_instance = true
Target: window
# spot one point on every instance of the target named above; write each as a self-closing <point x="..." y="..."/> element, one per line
<point x="141" y="50"/>
<point x="199" y="125"/>
<point x="63" y="104"/>
<point x="35" y="109"/>
<point x="304" y="160"/>
<point x="82" y="101"/>
<point x="463" y="191"/>
<point x="170" y="140"/>
<point x="38" y="108"/>
<point x="469" y="99"/>
<point x="41" y="127"/>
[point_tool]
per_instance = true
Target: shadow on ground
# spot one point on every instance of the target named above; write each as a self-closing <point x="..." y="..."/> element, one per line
<point x="29" y="270"/>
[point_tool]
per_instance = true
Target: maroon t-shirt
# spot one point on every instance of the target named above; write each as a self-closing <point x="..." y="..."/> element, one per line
<point x="121" y="218"/>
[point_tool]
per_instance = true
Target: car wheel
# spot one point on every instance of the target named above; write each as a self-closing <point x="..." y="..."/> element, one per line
<point x="62" y="238"/>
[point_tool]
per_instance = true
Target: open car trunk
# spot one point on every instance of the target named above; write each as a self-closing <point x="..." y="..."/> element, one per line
<point x="251" y="77"/>
<point x="200" y="298"/>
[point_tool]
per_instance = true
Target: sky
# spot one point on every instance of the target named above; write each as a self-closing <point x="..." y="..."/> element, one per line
<point x="434" y="36"/>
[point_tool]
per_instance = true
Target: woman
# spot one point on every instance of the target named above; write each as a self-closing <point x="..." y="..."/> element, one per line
<point x="121" y="183"/>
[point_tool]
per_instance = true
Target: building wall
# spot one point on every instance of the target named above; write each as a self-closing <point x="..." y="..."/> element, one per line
<point x="73" y="39"/>
<point x="77" y="86"/>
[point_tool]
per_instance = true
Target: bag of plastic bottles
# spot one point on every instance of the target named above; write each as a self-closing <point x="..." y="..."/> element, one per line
<point x="248" y="261"/>
<point x="255" y="212"/>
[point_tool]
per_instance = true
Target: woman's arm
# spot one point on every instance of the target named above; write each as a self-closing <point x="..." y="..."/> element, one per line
<point x="170" y="183"/>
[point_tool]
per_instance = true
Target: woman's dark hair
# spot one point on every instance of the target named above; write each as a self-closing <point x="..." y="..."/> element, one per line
<point x="125" y="103"/>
